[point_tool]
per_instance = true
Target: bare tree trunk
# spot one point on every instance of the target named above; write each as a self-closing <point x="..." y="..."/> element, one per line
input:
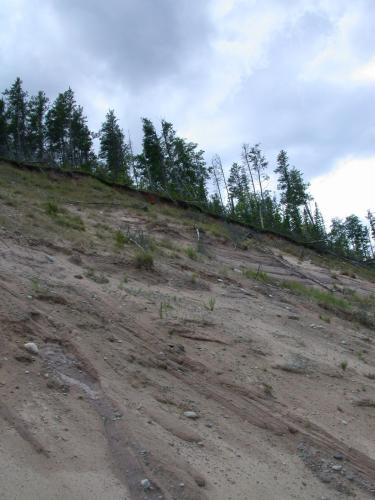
<point x="217" y="182"/>
<point x="134" y="170"/>
<point x="230" y="199"/>
<point x="309" y="213"/>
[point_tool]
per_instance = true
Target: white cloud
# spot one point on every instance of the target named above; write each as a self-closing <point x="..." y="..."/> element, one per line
<point x="365" y="73"/>
<point x="348" y="188"/>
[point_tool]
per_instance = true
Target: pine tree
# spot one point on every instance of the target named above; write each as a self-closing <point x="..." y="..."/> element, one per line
<point x="113" y="150"/>
<point x="167" y="146"/>
<point x="81" y="140"/>
<point x="293" y="194"/>
<point x="319" y="232"/>
<point x="4" y="143"/>
<point x="36" y="129"/>
<point x="371" y="218"/>
<point x="358" y="237"/>
<point x="59" y="125"/>
<point x="190" y="171"/>
<point x="16" y="104"/>
<point x="151" y="161"/>
<point x="338" y="237"/>
<point x="257" y="164"/>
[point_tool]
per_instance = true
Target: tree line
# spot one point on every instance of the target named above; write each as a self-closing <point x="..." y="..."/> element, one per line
<point x="36" y="130"/>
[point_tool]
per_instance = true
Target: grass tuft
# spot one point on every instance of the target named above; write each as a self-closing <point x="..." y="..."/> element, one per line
<point x="322" y="297"/>
<point x="120" y="239"/>
<point x="144" y="260"/>
<point x="191" y="253"/>
<point x="257" y="275"/>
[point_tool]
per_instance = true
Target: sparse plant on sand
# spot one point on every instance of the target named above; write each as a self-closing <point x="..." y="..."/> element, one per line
<point x="211" y="304"/>
<point x="120" y="239"/>
<point x="325" y="318"/>
<point x="191" y="253"/>
<point x="257" y="275"/>
<point x="63" y="217"/>
<point x="343" y="365"/>
<point x="268" y="389"/>
<point x="144" y="260"/>
<point x="51" y="208"/>
<point x="164" y="308"/>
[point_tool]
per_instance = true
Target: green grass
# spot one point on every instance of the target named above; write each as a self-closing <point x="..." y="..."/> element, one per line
<point x="51" y="208"/>
<point x="320" y="296"/>
<point x="211" y="304"/>
<point x="120" y="239"/>
<point x="358" y="309"/>
<point x="97" y="277"/>
<point x="191" y="253"/>
<point x="343" y="365"/>
<point x="164" y="308"/>
<point x="217" y="229"/>
<point x="257" y="275"/>
<point x="63" y="217"/>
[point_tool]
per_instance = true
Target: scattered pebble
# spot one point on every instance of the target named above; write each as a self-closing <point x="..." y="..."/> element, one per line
<point x="31" y="347"/>
<point x="336" y="467"/>
<point x="190" y="414"/>
<point x="145" y="483"/>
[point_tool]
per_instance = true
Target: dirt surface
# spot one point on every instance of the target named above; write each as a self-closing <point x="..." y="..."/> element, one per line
<point x="283" y="390"/>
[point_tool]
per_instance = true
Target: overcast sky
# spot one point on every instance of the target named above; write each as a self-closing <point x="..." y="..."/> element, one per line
<point x="292" y="74"/>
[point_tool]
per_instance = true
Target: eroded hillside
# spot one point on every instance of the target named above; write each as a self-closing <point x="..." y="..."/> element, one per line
<point x="234" y="367"/>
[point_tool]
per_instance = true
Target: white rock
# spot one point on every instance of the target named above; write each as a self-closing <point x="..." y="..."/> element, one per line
<point x="190" y="414"/>
<point x="145" y="483"/>
<point x="337" y="467"/>
<point x="31" y="347"/>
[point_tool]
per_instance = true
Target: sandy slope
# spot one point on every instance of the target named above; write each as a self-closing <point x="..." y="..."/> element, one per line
<point x="120" y="360"/>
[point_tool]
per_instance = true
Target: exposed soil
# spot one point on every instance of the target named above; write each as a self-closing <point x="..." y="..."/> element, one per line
<point x="124" y="352"/>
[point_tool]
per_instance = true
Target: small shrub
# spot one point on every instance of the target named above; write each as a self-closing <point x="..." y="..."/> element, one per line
<point x="211" y="304"/>
<point x="164" y="308"/>
<point x="63" y="217"/>
<point x="120" y="239"/>
<point x="268" y="389"/>
<point x="71" y="221"/>
<point x="191" y="253"/>
<point x="257" y="275"/>
<point x="51" y="208"/>
<point x="327" y="319"/>
<point x="144" y="260"/>
<point x="343" y="365"/>
<point x="98" y="278"/>
<point x="245" y="244"/>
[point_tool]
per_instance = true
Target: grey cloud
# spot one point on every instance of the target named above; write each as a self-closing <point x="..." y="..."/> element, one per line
<point x="155" y="58"/>
<point x="316" y="121"/>
<point x="139" y="42"/>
